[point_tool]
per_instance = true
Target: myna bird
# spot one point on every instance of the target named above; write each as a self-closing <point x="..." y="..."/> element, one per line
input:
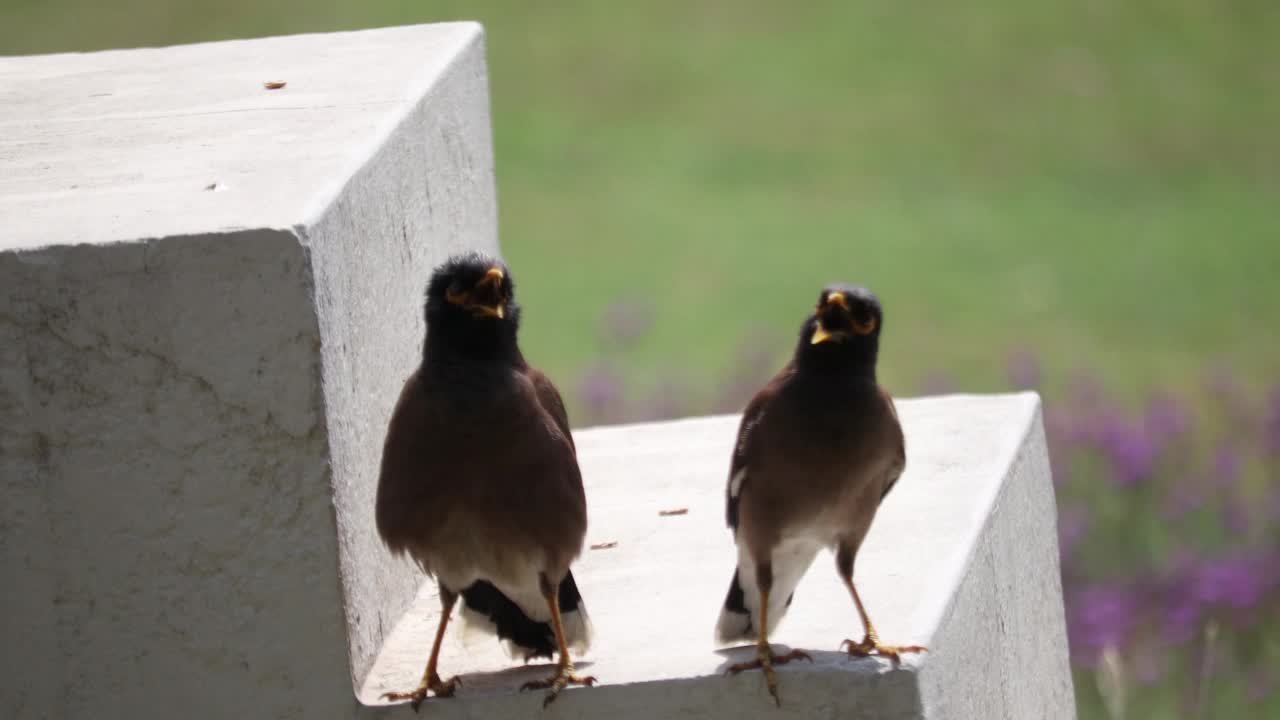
<point x="480" y="482"/>
<point x="817" y="450"/>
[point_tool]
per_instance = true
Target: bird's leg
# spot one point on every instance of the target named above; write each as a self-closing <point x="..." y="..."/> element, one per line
<point x="564" y="674"/>
<point x="765" y="659"/>
<point x="430" y="680"/>
<point x="870" y="644"/>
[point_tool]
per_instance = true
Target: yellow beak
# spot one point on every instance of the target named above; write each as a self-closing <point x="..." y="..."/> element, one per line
<point x="820" y="335"/>
<point x="494" y="278"/>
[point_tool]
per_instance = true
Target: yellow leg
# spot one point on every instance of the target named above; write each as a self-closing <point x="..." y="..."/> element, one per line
<point x="564" y="674"/>
<point x="430" y="680"/>
<point x="871" y="644"/>
<point x="765" y="659"/>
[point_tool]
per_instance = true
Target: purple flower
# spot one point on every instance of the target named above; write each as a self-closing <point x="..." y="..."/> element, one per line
<point x="1235" y="582"/>
<point x="1195" y="588"/>
<point x="1235" y="514"/>
<point x="1023" y="370"/>
<point x="601" y="391"/>
<point x="1131" y="451"/>
<point x="1100" y="617"/>
<point x="1180" y="606"/>
<point x="1181" y="620"/>
<point x="1226" y="466"/>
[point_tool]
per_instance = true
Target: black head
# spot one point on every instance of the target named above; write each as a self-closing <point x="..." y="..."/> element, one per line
<point x="471" y="306"/>
<point x="844" y="330"/>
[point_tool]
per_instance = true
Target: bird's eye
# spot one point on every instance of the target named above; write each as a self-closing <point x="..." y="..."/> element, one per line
<point x="455" y="293"/>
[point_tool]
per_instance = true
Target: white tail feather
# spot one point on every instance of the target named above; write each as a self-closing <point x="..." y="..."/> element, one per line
<point x="791" y="558"/>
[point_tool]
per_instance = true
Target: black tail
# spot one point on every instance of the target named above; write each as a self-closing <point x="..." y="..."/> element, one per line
<point x="738" y="616"/>
<point x="532" y="638"/>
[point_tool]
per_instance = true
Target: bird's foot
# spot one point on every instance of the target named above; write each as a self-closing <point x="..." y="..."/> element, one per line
<point x="432" y="685"/>
<point x="871" y="645"/>
<point x="564" y="677"/>
<point x="765" y="660"/>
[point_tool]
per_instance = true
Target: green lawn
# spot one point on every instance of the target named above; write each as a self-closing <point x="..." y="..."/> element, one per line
<point x="1097" y="181"/>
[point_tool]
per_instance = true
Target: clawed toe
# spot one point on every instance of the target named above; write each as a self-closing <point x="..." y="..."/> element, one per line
<point x="872" y="646"/>
<point x="562" y="679"/>
<point x="770" y="659"/>
<point x="434" y="687"/>
<point x="765" y="660"/>
<point x="415" y="698"/>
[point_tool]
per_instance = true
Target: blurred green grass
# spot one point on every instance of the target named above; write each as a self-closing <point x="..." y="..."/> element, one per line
<point x="1094" y="180"/>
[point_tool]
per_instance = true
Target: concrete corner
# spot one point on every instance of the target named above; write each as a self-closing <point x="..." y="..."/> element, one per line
<point x="210" y="293"/>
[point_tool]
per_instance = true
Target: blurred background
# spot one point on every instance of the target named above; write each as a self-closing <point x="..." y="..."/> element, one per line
<point x="1074" y="197"/>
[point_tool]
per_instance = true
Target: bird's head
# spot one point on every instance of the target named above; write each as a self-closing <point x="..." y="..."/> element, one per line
<point x="471" y="303"/>
<point x="844" y="328"/>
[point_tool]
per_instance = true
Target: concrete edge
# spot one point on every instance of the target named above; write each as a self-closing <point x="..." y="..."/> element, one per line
<point x="470" y="35"/>
<point x="101" y="51"/>
<point x="943" y="590"/>
<point x="39" y="254"/>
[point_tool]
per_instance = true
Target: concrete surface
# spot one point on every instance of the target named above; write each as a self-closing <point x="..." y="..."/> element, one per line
<point x="962" y="557"/>
<point x="210" y="294"/>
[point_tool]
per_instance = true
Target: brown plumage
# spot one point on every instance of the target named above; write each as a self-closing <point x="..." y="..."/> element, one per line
<point x="480" y="482"/>
<point x="818" y="449"/>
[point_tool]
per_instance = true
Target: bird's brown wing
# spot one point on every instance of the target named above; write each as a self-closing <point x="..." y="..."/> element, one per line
<point x="400" y="479"/>
<point x="742" y="449"/>
<point x="899" y="462"/>
<point x="550" y="400"/>
<point x="572" y="514"/>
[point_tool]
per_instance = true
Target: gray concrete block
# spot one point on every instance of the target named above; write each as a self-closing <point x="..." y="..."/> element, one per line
<point x="962" y="557"/>
<point x="210" y="294"/>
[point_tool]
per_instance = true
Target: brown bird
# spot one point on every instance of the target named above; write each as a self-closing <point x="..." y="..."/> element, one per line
<point x="818" y="449"/>
<point x="480" y="482"/>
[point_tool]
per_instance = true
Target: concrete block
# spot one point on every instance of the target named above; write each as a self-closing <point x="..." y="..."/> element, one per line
<point x="210" y="294"/>
<point x="962" y="557"/>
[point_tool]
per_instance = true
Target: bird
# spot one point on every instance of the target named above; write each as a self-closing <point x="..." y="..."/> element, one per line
<point x="479" y="482"/>
<point x="817" y="450"/>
